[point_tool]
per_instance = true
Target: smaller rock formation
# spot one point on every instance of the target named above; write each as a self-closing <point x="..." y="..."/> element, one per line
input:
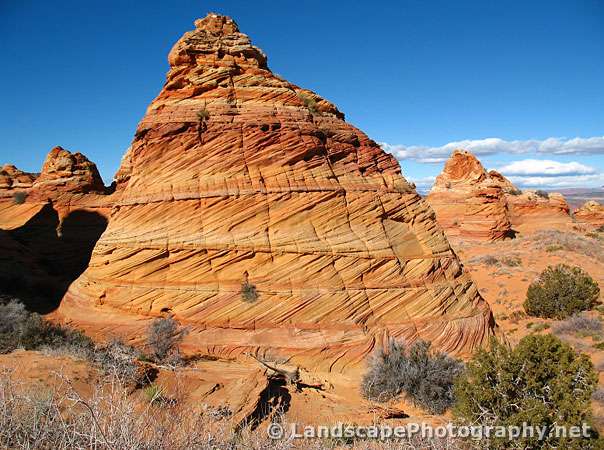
<point x="69" y="172"/>
<point x="591" y="212"/>
<point x="13" y="178"/>
<point x="469" y="201"/>
<point x="536" y="209"/>
<point x="473" y="203"/>
<point x="49" y="225"/>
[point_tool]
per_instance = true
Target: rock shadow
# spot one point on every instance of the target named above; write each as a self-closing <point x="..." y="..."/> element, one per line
<point x="39" y="260"/>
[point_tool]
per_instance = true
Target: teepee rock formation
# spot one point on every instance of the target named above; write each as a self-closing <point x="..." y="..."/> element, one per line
<point x="473" y="203"/>
<point x="238" y="180"/>
<point x="591" y="212"/>
<point x="469" y="201"/>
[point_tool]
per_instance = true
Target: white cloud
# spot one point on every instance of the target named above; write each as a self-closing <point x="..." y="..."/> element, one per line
<point x="545" y="168"/>
<point x="558" y="182"/>
<point x="491" y="146"/>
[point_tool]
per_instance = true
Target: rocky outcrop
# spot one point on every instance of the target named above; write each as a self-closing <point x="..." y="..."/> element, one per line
<point x="537" y="209"/>
<point x="473" y="203"/>
<point x="469" y="201"/>
<point x="48" y="227"/>
<point x="13" y="179"/>
<point x="591" y="212"/>
<point x="64" y="171"/>
<point x="253" y="213"/>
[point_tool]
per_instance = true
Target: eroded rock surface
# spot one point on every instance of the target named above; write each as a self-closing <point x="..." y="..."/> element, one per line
<point x="469" y="201"/>
<point x="237" y="176"/>
<point x="475" y="204"/>
<point x="591" y="212"/>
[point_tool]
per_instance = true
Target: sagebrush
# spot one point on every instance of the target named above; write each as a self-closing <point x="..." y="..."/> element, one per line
<point x="425" y="378"/>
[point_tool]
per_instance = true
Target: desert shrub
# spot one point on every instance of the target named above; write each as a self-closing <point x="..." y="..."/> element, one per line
<point x="579" y="324"/>
<point x="19" y="197"/>
<point x="542" y="194"/>
<point x="542" y="382"/>
<point x="571" y="242"/>
<point x="553" y="248"/>
<point x="163" y="337"/>
<point x="154" y="393"/>
<point x="249" y="293"/>
<point x="600" y="229"/>
<point x="21" y="329"/>
<point x="512" y="261"/>
<point x="561" y="291"/>
<point x="203" y="114"/>
<point x="599" y="346"/>
<point x="119" y="360"/>
<point x="309" y="103"/>
<point x="598" y="395"/>
<point x="425" y="379"/>
<point x="488" y="260"/>
<point x="515" y="191"/>
<point x="540" y="327"/>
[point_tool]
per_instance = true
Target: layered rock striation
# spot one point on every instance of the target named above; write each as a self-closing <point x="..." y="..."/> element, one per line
<point x="591" y="212"/>
<point x="252" y="212"/>
<point x="475" y="204"/>
<point x="469" y="201"/>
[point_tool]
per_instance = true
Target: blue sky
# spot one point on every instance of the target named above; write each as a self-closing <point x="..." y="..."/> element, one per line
<point x="416" y="75"/>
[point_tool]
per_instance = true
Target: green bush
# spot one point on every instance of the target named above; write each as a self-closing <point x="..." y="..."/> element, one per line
<point x="19" y="197"/>
<point x="203" y="114"/>
<point x="309" y="102"/>
<point x="425" y="379"/>
<point x="561" y="291"/>
<point x="542" y="194"/>
<point x="249" y="293"/>
<point x="542" y="382"/>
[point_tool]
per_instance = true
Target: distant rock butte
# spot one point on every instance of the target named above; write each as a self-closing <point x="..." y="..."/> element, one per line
<point x="591" y="212"/>
<point x="469" y="201"/>
<point x="472" y="203"/>
<point x="236" y="175"/>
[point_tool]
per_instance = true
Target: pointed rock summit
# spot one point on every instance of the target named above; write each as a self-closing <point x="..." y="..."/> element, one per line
<point x="252" y="212"/>
<point x="469" y="201"/>
<point x="472" y="203"/>
<point x="69" y="172"/>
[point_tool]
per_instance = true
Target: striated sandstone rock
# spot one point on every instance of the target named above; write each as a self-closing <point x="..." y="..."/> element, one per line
<point x="46" y="241"/>
<point x="473" y="203"/>
<point x="529" y="209"/>
<point x="469" y="201"/>
<point x="12" y="178"/>
<point x="236" y="175"/>
<point x="64" y="171"/>
<point x="591" y="212"/>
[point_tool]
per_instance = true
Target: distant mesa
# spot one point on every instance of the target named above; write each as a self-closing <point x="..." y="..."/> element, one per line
<point x="237" y="175"/>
